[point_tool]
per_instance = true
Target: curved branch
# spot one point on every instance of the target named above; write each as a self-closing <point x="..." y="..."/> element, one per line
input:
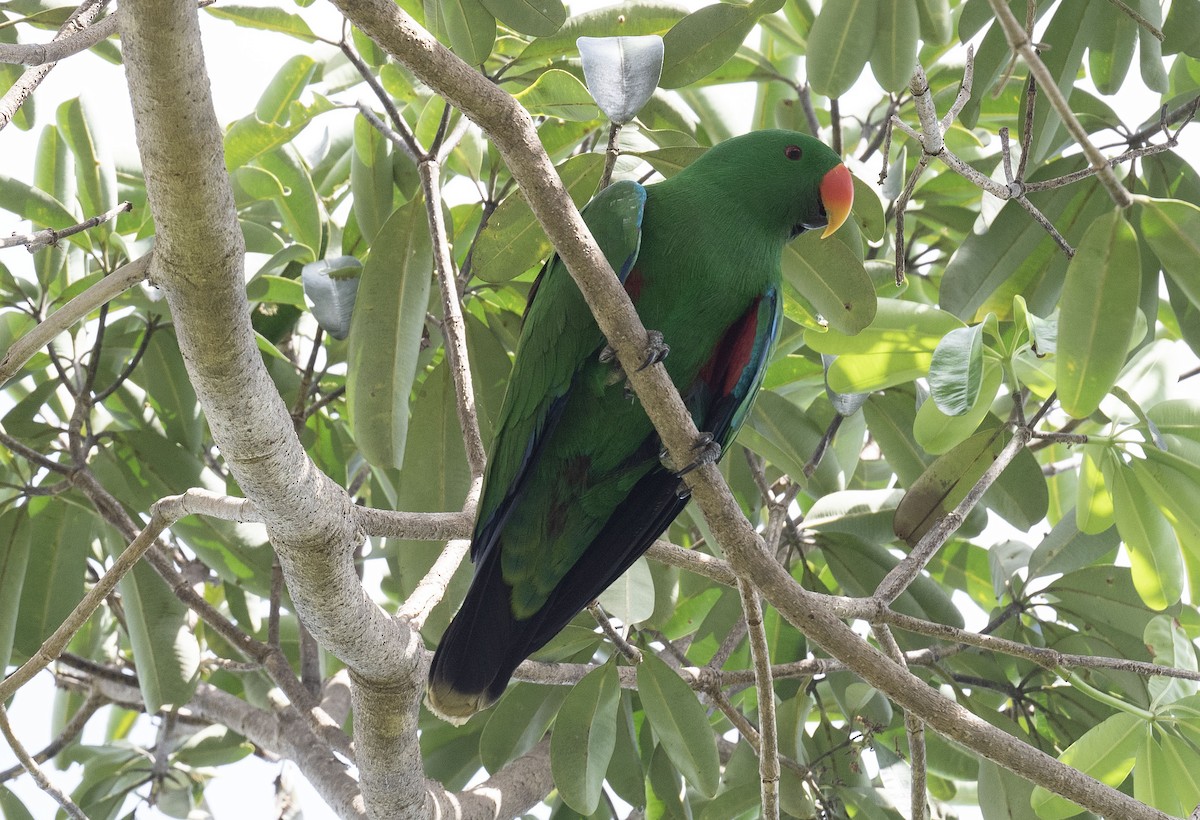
<point x="104" y="291"/>
<point x="36" y="54"/>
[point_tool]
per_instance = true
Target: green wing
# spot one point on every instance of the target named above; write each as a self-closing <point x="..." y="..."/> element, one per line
<point x="557" y="337"/>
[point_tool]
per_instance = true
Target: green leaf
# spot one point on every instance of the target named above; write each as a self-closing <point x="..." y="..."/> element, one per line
<point x="370" y="178"/>
<point x="937" y="432"/>
<point x="1174" y="768"/>
<point x="250" y="137"/>
<point x="895" y="54"/>
<point x="1111" y="51"/>
<point x="1106" y="752"/>
<point x="385" y="334"/>
<point x="868" y="210"/>
<point x="471" y="29"/>
<point x="1150" y="49"/>
<point x="537" y="18"/>
<point x="585" y="735"/>
<point x="12" y="807"/>
<point x="267" y="18"/>
<point x="43" y="210"/>
<point x="1169" y="646"/>
<point x="1002" y="794"/>
<point x="1093" y="498"/>
<point x="956" y="370"/>
<point x="94" y="174"/>
<point x="612" y="21"/>
<point x="784" y="434"/>
<point x="276" y="290"/>
<point x="935" y="19"/>
<point x="833" y="280"/>
<point x="1015" y="255"/>
<point x="841" y="40"/>
<point x="1066" y="549"/>
<point x="1181" y="31"/>
<point x="54" y="573"/>
<point x="631" y="597"/>
<point x="165" y="650"/>
<point x="680" y="723"/>
<point x="518" y="722"/>
<point x="1172" y="228"/>
<point x="701" y="42"/>
<point x="1098" y="307"/>
<point x="284" y="89"/>
<point x="14" y="558"/>
<point x="298" y="206"/>
<point x="171" y="395"/>
<point x="434" y="477"/>
<point x="558" y="94"/>
<point x="1154" y="558"/>
<point x="512" y="242"/>
<point x="896" y="347"/>
<point x="945" y="483"/>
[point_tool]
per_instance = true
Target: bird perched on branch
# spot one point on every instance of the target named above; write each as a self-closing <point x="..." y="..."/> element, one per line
<point x="575" y="489"/>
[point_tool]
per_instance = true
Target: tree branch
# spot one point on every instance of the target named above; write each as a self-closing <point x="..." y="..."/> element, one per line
<point x="103" y="292"/>
<point x="1019" y="41"/>
<point x="35" y="771"/>
<point x="49" y="237"/>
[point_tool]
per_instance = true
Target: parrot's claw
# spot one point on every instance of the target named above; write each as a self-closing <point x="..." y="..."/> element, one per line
<point x="708" y="451"/>
<point x="656" y="349"/>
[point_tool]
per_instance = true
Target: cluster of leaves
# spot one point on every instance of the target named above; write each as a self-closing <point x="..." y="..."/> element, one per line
<point x="921" y="387"/>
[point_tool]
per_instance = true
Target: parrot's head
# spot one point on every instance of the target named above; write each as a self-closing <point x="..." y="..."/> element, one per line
<point x="788" y="180"/>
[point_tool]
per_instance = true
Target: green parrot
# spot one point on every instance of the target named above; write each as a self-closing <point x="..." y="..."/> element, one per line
<point x="576" y="489"/>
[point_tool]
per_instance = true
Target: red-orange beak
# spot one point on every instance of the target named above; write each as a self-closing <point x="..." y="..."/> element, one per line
<point x="837" y="195"/>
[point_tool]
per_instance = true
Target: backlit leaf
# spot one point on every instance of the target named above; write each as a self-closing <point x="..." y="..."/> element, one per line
<point x="584" y="738"/>
<point x="679" y="723"/>
<point x="1098" y="306"/>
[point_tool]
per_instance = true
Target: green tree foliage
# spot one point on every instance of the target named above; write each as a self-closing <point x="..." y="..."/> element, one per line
<point x="1044" y="324"/>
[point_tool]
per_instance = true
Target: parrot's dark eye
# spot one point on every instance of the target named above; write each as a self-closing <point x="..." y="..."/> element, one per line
<point x="793" y="152"/>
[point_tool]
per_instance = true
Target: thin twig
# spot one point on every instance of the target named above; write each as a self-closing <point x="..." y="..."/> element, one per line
<point x="35" y="771"/>
<point x="631" y="652"/>
<point x="453" y="326"/>
<point x="407" y="141"/>
<point x="49" y="236"/>
<point x="16" y="95"/>
<point x="1019" y="40"/>
<point x="768" y="752"/>
<point x="68" y="735"/>
<point x="914" y="729"/>
<point x="610" y="155"/>
<point x="1139" y="19"/>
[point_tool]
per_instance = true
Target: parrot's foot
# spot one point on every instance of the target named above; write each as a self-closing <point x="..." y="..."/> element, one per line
<point x="656" y="350"/>
<point x="708" y="451"/>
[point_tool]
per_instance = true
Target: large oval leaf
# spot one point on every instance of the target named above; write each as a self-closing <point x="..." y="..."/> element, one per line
<point x="701" y="42"/>
<point x="1098" y="306"/>
<point x="585" y="734"/>
<point x="385" y="334"/>
<point x="1106" y="752"/>
<point x="679" y="723"/>
<point x="1153" y="548"/>
<point x="471" y="29"/>
<point x="558" y="94"/>
<point x="896" y="347"/>
<point x="1172" y="228"/>
<point x="841" y="40"/>
<point x="512" y="242"/>
<point x="945" y="483"/>
<point x="895" y="54"/>
<point x="537" y="18"/>
<point x="833" y="280"/>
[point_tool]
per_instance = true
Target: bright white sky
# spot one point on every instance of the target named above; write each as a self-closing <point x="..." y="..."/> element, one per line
<point x="240" y="63"/>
